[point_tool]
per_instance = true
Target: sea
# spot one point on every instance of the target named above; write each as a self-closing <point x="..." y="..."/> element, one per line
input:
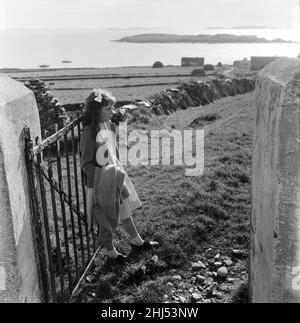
<point x="83" y="48"/>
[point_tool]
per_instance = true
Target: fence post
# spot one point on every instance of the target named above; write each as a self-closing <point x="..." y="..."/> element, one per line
<point x="275" y="219"/>
<point x="19" y="267"/>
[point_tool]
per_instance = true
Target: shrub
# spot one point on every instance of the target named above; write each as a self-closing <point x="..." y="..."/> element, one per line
<point x="198" y="72"/>
<point x="158" y="65"/>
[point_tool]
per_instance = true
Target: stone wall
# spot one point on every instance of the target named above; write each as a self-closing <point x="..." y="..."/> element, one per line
<point x="186" y="95"/>
<point x="50" y="110"/>
<point x="18" y="262"/>
<point x="275" y="219"/>
<point x="198" y="93"/>
<point x="192" y="61"/>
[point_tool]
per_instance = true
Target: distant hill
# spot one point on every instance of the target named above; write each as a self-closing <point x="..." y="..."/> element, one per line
<point x="243" y="27"/>
<point x="219" y="38"/>
<point x="133" y="28"/>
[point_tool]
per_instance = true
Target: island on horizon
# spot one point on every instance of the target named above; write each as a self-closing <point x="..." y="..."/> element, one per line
<point x="203" y="38"/>
<point x="242" y="27"/>
<point x="133" y="28"/>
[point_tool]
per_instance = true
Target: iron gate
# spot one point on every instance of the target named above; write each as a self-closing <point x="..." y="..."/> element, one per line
<point x="64" y="244"/>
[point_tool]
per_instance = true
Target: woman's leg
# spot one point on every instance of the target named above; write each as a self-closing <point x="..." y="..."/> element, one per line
<point x="135" y="238"/>
<point x="106" y="239"/>
<point x="131" y="229"/>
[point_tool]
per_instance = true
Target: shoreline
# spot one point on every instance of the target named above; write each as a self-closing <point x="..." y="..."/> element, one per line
<point x="17" y="69"/>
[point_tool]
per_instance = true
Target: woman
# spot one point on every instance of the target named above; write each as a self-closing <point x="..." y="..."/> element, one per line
<point x="97" y="115"/>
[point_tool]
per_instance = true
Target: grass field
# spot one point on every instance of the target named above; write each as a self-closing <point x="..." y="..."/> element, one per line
<point x="126" y="83"/>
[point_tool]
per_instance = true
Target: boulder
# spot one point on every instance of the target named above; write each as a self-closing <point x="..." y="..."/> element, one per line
<point x="222" y="272"/>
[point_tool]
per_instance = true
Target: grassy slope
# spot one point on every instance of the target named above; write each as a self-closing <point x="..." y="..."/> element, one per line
<point x="188" y="215"/>
<point x="225" y="182"/>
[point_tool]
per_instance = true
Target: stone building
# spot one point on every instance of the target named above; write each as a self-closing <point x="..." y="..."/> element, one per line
<point x="192" y="61"/>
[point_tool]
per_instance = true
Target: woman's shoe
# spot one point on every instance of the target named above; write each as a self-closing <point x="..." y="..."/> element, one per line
<point x="147" y="245"/>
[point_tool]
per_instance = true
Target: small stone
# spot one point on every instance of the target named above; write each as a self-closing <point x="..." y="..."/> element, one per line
<point x="191" y="290"/>
<point x="182" y="299"/>
<point x="217" y="295"/>
<point x="210" y="290"/>
<point x="173" y="271"/>
<point x="209" y="281"/>
<point x="230" y="280"/>
<point x="196" y="297"/>
<point x="200" y="279"/>
<point x="92" y="294"/>
<point x="90" y="278"/>
<point x="201" y="264"/>
<point x="218" y="264"/>
<point x="166" y="296"/>
<point x="215" y="274"/>
<point x="169" y="284"/>
<point x="155" y="259"/>
<point x="197" y="266"/>
<point x="236" y="253"/>
<point x="228" y="263"/>
<point x="208" y="252"/>
<point x="222" y="272"/>
<point x="217" y="257"/>
<point x="209" y="274"/>
<point x="177" y="277"/>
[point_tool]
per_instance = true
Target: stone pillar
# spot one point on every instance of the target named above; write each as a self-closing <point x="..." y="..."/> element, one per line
<point x="18" y="264"/>
<point x="275" y="219"/>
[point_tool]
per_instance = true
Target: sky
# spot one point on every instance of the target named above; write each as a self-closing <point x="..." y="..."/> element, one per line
<point x="178" y="14"/>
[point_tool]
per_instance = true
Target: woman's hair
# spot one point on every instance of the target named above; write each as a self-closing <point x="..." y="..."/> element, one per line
<point x="92" y="107"/>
